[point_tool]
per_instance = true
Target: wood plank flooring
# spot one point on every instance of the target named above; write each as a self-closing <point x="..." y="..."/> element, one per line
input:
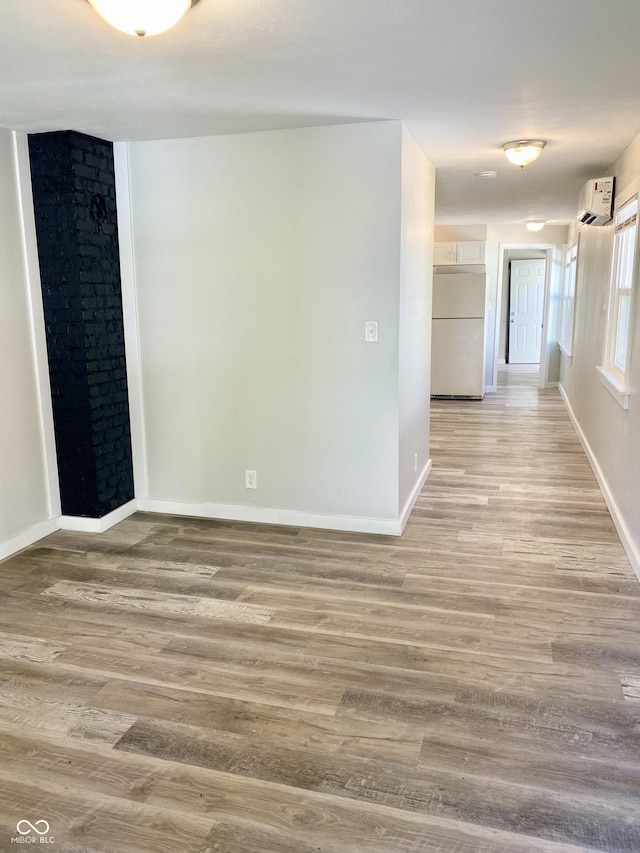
<point x="189" y="686"/>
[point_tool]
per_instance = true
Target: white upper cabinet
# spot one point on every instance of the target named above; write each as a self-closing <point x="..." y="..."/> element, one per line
<point x="471" y="252"/>
<point x="445" y="254"/>
<point x="463" y="252"/>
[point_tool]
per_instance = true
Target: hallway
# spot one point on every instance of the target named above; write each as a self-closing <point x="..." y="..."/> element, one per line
<point x="190" y="686"/>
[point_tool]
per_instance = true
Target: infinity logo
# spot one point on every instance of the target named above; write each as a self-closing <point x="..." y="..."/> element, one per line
<point x="32" y="827"/>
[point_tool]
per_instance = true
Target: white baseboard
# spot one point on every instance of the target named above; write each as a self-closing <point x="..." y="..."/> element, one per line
<point x="415" y="494"/>
<point x="22" y="540"/>
<point x="290" y="518"/>
<point x="65" y="522"/>
<point x="97" y="525"/>
<point x="630" y="546"/>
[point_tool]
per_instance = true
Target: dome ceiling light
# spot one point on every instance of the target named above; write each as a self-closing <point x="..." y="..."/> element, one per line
<point x="521" y="152"/>
<point x="142" y="17"/>
<point x="536" y="225"/>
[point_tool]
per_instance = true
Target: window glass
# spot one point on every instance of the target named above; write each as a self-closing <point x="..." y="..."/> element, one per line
<point x="623" y="273"/>
<point x="568" y="298"/>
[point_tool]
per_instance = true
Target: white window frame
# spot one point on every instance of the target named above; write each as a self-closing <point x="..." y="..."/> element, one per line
<point x="568" y="308"/>
<point x="615" y="368"/>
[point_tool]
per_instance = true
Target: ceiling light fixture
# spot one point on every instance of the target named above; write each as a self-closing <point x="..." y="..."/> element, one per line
<point x="535" y="225"/>
<point x="521" y="152"/>
<point x="142" y="17"/>
<point x="487" y="174"/>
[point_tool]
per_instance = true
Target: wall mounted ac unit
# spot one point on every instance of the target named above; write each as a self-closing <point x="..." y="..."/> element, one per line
<point x="595" y="205"/>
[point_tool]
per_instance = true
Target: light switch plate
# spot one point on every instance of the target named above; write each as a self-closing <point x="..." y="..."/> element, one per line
<point x="371" y="331"/>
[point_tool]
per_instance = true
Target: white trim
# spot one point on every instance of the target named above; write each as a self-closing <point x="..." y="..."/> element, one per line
<point x="415" y="494"/>
<point x="38" y="335"/>
<point x="565" y="352"/>
<point x="97" y="525"/>
<point x="618" y="390"/>
<point x="288" y="517"/>
<point x="130" y="318"/>
<point x="10" y="547"/>
<point x="632" y="548"/>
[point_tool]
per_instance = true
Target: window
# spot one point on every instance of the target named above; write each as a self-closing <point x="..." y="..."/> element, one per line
<point x="568" y="299"/>
<point x="617" y="347"/>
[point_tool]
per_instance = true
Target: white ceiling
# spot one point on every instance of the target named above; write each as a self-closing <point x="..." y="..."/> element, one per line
<point x="465" y="75"/>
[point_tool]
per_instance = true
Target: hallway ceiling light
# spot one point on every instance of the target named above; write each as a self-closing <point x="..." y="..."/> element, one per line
<point x="521" y="152"/>
<point x="535" y="225"/>
<point x="142" y="17"/>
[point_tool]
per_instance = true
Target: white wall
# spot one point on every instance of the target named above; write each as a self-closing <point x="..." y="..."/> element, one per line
<point x="458" y="233"/>
<point x="610" y="433"/>
<point x="418" y="198"/>
<point x="258" y="259"/>
<point x="24" y="495"/>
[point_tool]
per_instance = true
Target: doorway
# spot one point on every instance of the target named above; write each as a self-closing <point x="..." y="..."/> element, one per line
<point x="549" y="252"/>
<point x="525" y="309"/>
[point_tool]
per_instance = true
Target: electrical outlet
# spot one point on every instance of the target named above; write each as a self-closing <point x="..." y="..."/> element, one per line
<point x="250" y="480"/>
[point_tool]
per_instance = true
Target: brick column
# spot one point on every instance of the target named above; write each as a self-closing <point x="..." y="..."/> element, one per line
<point x="75" y="209"/>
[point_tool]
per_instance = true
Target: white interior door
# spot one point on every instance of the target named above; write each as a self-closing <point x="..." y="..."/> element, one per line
<point x="526" y="308"/>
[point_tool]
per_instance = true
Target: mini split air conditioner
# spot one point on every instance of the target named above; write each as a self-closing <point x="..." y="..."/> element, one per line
<point x="595" y="205"/>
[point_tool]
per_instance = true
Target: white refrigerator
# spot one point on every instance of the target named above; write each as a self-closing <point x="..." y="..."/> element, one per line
<point x="457" y="341"/>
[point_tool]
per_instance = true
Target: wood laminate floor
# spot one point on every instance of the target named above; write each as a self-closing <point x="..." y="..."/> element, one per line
<point x="184" y="686"/>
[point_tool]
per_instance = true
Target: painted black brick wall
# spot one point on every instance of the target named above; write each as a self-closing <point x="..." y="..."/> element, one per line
<point x="75" y="209"/>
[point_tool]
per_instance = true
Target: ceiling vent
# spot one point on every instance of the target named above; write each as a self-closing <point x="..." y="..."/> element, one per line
<point x="595" y="205"/>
